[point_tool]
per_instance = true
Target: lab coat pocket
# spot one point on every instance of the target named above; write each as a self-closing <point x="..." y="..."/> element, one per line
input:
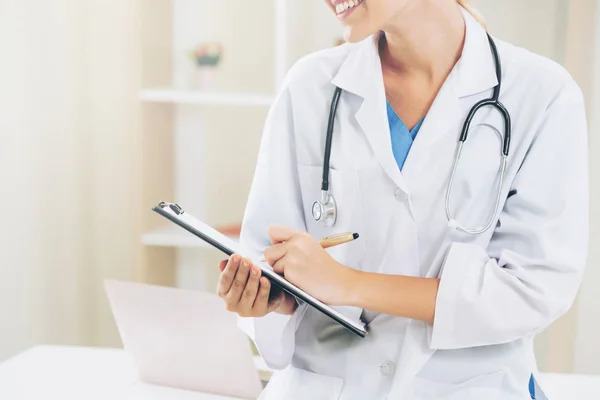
<point x="298" y="384"/>
<point x="482" y="387"/>
<point x="344" y="187"/>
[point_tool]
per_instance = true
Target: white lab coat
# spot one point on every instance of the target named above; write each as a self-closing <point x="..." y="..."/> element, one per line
<point x="498" y="289"/>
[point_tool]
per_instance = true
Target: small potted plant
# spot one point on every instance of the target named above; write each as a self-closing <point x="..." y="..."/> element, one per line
<point x="206" y="58"/>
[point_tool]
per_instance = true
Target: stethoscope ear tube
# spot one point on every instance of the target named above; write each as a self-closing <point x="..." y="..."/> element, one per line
<point x="507" y="129"/>
<point x="325" y="210"/>
<point x="495" y="103"/>
<point x="329" y="138"/>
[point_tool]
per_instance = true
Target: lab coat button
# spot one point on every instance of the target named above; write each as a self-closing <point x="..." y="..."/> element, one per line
<point x="387" y="368"/>
<point x="400" y="195"/>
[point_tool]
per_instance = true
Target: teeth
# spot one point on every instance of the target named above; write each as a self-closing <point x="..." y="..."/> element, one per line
<point x="346" y="5"/>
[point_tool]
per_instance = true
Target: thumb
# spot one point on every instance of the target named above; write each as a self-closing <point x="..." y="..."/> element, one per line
<point x="278" y="233"/>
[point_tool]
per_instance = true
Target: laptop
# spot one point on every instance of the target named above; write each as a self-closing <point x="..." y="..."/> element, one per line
<point x="184" y="339"/>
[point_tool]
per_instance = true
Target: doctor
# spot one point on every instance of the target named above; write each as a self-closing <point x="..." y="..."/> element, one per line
<point x="458" y="265"/>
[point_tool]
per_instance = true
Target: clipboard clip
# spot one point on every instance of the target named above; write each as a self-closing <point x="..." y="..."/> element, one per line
<point x="175" y="207"/>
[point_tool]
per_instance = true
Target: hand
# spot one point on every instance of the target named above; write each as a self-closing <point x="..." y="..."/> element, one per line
<point x="303" y="262"/>
<point x="248" y="294"/>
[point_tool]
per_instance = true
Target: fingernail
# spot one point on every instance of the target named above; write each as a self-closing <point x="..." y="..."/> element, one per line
<point x="254" y="271"/>
<point x="244" y="264"/>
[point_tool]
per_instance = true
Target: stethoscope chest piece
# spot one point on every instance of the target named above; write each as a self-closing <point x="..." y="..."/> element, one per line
<point x="325" y="211"/>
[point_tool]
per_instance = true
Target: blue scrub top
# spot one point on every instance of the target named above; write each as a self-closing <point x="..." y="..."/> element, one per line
<point x="402" y="137"/>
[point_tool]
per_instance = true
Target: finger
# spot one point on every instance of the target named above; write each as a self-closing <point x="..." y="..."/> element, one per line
<point x="250" y="291"/>
<point x="222" y="265"/>
<point x="228" y="275"/>
<point x="274" y="253"/>
<point x="279" y="266"/>
<point x="268" y="299"/>
<point x="239" y="282"/>
<point x="261" y="302"/>
<point x="278" y="233"/>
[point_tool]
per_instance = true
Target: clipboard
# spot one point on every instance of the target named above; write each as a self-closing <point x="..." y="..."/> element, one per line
<point x="174" y="213"/>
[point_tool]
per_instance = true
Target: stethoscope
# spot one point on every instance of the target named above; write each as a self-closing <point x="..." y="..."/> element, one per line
<point x="325" y="209"/>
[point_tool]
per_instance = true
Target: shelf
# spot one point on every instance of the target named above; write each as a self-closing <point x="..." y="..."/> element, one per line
<point x="174" y="236"/>
<point x="183" y="96"/>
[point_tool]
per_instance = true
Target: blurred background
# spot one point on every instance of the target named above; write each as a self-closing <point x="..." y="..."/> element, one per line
<point x="109" y="106"/>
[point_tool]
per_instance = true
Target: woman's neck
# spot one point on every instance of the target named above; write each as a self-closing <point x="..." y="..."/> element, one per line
<point x="425" y="40"/>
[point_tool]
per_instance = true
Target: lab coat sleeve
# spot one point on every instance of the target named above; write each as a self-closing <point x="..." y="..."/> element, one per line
<point x="274" y="199"/>
<point x="532" y="269"/>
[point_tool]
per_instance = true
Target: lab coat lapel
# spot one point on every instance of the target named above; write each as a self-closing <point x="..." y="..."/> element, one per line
<point x="474" y="74"/>
<point x="443" y="118"/>
<point x="361" y="75"/>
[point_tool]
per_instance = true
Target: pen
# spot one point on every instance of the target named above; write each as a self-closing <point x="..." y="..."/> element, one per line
<point x="340" y="238"/>
<point x="334" y="240"/>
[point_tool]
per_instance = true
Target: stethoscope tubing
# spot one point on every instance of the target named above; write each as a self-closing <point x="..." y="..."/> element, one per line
<point x="328" y="202"/>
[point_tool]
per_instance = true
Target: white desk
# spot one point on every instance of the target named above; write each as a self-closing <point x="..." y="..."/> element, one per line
<point x="571" y="386"/>
<point x="79" y="373"/>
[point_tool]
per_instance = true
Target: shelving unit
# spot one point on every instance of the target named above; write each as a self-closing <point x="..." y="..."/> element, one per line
<point x="171" y="237"/>
<point x="261" y="41"/>
<point x="183" y="96"/>
<point x="174" y="236"/>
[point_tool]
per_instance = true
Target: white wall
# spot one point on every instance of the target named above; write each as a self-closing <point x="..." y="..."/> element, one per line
<point x="42" y="238"/>
<point x="537" y="25"/>
<point x="112" y="65"/>
<point x="68" y="85"/>
<point x="587" y="345"/>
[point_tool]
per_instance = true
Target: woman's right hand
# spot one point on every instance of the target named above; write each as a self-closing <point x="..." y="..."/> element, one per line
<point x="249" y="294"/>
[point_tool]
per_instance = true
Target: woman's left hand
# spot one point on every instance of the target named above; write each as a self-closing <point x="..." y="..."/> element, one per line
<point x="302" y="261"/>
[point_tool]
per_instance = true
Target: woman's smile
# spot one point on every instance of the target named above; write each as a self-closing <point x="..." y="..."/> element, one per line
<point x="343" y="8"/>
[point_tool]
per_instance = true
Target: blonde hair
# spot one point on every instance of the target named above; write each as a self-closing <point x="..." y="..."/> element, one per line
<point x="467" y="6"/>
